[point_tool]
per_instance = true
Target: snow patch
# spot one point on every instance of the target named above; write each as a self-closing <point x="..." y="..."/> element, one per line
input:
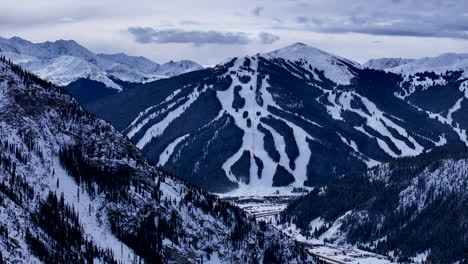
<point x="88" y="214"/>
<point x="166" y="154"/>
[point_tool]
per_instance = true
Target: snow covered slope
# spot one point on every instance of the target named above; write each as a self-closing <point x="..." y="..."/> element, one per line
<point x="440" y="64"/>
<point x="65" y="61"/>
<point x="290" y="118"/>
<point x="385" y="63"/>
<point x="75" y="190"/>
<point x="411" y="208"/>
<point x="335" y="68"/>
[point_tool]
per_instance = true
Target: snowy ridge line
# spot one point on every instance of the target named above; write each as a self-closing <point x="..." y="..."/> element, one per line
<point x="440" y="64"/>
<point x="330" y="64"/>
<point x="65" y="61"/>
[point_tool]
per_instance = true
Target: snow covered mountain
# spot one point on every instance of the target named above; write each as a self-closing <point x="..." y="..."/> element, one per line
<point x="290" y="118"/>
<point x="75" y="190"/>
<point x="413" y="208"/>
<point x="440" y="64"/>
<point x="385" y="63"/>
<point x="64" y="62"/>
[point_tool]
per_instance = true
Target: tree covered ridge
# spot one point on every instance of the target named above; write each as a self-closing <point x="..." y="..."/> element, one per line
<point x="405" y="207"/>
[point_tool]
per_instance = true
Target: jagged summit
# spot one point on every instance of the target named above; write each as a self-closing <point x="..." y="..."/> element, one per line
<point x="18" y="39"/>
<point x="66" y="61"/>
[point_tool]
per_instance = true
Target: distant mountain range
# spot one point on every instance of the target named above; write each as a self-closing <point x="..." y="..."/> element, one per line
<point x="86" y="74"/>
<point x="293" y="117"/>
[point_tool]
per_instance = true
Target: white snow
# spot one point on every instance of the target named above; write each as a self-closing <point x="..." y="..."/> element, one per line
<point x="63" y="62"/>
<point x="166" y="154"/>
<point x="341" y="101"/>
<point x="18" y="58"/>
<point x="421" y="257"/>
<point x="157" y="129"/>
<point x="137" y="125"/>
<point x="450" y="176"/>
<point x="332" y="252"/>
<point x="440" y="64"/>
<point x="63" y="70"/>
<point x="88" y="214"/>
<point x="385" y="63"/>
<point x="253" y="139"/>
<point x="448" y="119"/>
<point x="331" y="64"/>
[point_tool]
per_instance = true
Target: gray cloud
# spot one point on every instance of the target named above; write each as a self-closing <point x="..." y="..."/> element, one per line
<point x="437" y="26"/>
<point x="407" y="28"/>
<point x="302" y="19"/>
<point x="258" y="10"/>
<point x="149" y="35"/>
<point x="416" y="18"/>
<point x="146" y="35"/>
<point x="267" y="38"/>
<point x="54" y="16"/>
<point x="189" y="23"/>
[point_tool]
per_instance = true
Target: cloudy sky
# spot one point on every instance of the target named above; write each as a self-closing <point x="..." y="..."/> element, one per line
<point x="209" y="31"/>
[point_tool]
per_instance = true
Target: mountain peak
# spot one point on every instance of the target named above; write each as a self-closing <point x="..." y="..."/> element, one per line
<point x="299" y="44"/>
<point x="298" y="47"/>
<point x="335" y="67"/>
<point x="66" y="43"/>
<point x="18" y="40"/>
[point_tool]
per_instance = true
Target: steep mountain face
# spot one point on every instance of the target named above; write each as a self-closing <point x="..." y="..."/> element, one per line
<point x="385" y="63"/>
<point x="74" y="190"/>
<point x="410" y="207"/>
<point x="65" y="62"/>
<point x="293" y="117"/>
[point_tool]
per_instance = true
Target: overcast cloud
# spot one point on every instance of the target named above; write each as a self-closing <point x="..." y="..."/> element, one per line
<point x="209" y="31"/>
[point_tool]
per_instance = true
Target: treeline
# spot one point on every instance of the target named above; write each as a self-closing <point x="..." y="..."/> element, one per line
<point x="68" y="243"/>
<point x="27" y="77"/>
<point x="114" y="180"/>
